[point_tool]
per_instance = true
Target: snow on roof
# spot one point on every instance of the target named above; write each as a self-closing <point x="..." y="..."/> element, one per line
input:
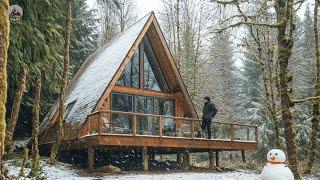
<point x="95" y="75"/>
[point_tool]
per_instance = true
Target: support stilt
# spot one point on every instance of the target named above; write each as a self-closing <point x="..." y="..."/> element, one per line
<point x="186" y="160"/>
<point x="243" y="156"/>
<point x="217" y="158"/>
<point x="180" y="158"/>
<point x="145" y="158"/>
<point x="211" y="159"/>
<point x="90" y="159"/>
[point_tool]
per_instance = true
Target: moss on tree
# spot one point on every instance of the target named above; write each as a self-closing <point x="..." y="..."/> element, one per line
<point x="15" y="110"/>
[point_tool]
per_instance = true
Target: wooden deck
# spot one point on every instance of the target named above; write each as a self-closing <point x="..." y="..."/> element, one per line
<point x="227" y="136"/>
<point x="101" y="132"/>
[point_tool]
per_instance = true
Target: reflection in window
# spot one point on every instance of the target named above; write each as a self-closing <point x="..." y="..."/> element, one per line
<point x="130" y="75"/>
<point x="122" y="123"/>
<point x="153" y="76"/>
<point x="150" y="81"/>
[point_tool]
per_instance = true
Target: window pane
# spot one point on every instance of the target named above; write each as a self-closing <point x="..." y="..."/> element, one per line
<point x="130" y="75"/>
<point x="121" y="102"/>
<point x="168" y="123"/>
<point x="150" y="81"/>
<point x="121" y="124"/>
<point x="156" y="80"/>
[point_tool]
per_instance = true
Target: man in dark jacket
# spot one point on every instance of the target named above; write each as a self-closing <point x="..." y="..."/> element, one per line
<point x="209" y="111"/>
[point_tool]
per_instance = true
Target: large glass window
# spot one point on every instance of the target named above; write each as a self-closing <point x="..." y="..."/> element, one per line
<point x="150" y="81"/>
<point x="146" y="125"/>
<point x="130" y="75"/>
<point x="153" y="77"/>
<point x="147" y="62"/>
<point x="121" y="124"/>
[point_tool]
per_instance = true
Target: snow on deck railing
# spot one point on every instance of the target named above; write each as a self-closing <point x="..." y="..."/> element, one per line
<point x="130" y="123"/>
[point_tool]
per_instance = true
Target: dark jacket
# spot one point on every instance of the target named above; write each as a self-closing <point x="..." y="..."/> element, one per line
<point x="209" y="111"/>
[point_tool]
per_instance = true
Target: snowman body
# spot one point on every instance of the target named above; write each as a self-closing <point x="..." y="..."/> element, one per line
<point x="276" y="168"/>
<point x="276" y="172"/>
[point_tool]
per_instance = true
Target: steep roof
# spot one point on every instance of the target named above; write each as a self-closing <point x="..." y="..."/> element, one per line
<point x="95" y="75"/>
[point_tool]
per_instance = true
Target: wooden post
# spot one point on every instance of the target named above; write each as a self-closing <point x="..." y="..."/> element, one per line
<point x="256" y="134"/>
<point x="211" y="160"/>
<point x="145" y="158"/>
<point x="243" y="156"/>
<point x="99" y="121"/>
<point x="248" y="133"/>
<point x="89" y="128"/>
<point x="232" y="132"/>
<point x="90" y="160"/>
<point x="192" y="129"/>
<point x="134" y="125"/>
<point x="160" y="125"/>
<point x="217" y="158"/>
<point x="186" y="160"/>
<point x="179" y="159"/>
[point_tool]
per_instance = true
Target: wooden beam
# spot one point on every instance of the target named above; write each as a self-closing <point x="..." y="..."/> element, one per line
<point x="145" y="158"/>
<point x="90" y="158"/>
<point x="128" y="90"/>
<point x="168" y="142"/>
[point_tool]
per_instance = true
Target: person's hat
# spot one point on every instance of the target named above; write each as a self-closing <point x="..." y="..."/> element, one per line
<point x="207" y="98"/>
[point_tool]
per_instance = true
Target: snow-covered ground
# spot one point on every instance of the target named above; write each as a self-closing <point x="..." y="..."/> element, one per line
<point x="65" y="171"/>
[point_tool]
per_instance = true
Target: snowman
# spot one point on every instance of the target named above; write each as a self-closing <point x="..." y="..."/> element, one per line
<point x="276" y="168"/>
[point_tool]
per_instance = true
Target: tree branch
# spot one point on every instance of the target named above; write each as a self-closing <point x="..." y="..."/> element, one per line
<point x="312" y="99"/>
<point x="251" y="24"/>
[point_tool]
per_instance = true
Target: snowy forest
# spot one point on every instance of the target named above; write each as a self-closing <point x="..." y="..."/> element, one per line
<point x="258" y="60"/>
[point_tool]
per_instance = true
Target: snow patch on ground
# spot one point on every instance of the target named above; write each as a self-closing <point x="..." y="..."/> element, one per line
<point x="65" y="171"/>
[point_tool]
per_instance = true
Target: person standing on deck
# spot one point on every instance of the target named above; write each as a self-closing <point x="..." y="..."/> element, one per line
<point x="208" y="112"/>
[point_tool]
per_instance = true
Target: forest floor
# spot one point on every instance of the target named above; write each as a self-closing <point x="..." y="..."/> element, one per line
<point x="67" y="171"/>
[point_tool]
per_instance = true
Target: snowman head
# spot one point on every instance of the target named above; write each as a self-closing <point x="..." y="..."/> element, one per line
<point x="276" y="155"/>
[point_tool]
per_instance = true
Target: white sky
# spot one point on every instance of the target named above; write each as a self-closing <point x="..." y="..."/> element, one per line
<point x="143" y="6"/>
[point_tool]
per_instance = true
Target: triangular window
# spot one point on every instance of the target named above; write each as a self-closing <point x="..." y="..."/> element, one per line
<point x="130" y="75"/>
<point x="151" y="78"/>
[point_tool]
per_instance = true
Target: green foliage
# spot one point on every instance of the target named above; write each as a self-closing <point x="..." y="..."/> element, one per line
<point x="37" y="41"/>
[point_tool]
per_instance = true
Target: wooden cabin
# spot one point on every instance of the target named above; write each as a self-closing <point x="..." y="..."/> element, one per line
<point x="129" y="94"/>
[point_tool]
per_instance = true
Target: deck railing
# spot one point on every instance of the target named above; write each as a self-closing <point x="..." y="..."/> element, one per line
<point x="139" y="124"/>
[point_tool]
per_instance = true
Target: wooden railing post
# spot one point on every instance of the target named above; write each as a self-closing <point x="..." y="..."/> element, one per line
<point x="89" y="121"/>
<point x="99" y="121"/>
<point x="248" y="133"/>
<point x="232" y="132"/>
<point x="134" y="125"/>
<point x="256" y="134"/>
<point x="160" y="125"/>
<point x="192" y="129"/>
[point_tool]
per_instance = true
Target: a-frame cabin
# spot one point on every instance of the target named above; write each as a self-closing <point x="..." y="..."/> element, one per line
<point x="129" y="94"/>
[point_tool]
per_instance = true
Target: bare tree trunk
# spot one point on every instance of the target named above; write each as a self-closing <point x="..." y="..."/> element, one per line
<point x="24" y="161"/>
<point x="315" y="108"/>
<point x="15" y="110"/>
<point x="35" y="170"/>
<point x="285" y="43"/>
<point x="4" y="44"/>
<point x="56" y="145"/>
